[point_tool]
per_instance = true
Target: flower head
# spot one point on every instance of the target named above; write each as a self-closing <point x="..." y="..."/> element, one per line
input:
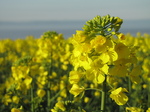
<point x="118" y="95"/>
<point x="134" y="75"/>
<point x="41" y="93"/>
<point x="121" y="36"/>
<point x="148" y="110"/>
<point x="74" y="77"/>
<point x="122" y="51"/>
<point x="76" y="90"/>
<point x="134" y="109"/>
<point x="15" y="110"/>
<point x="60" y="105"/>
<point x="99" y="40"/>
<point x="15" y="99"/>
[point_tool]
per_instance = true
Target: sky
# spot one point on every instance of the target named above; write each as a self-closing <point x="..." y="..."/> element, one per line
<point x="39" y="10"/>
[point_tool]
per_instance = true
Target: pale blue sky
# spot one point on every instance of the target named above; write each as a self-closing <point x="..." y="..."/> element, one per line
<point x="34" y="10"/>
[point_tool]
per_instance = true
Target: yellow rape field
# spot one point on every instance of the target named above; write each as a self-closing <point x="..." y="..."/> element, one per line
<point x="98" y="69"/>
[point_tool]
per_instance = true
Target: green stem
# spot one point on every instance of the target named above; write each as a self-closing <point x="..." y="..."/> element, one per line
<point x="53" y="98"/>
<point x="148" y="92"/>
<point x="129" y="85"/>
<point x="32" y="101"/>
<point x="48" y="95"/>
<point x="103" y="96"/>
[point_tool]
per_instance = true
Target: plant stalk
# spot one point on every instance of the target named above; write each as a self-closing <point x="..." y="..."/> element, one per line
<point x="129" y="85"/>
<point x="148" y="93"/>
<point x="103" y="96"/>
<point x="48" y="95"/>
<point x="32" y="101"/>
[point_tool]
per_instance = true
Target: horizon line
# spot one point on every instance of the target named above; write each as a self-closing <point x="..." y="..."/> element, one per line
<point x="14" y="21"/>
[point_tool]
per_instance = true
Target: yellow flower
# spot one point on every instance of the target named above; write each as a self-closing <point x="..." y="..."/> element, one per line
<point x="134" y="75"/>
<point x="79" y="37"/>
<point x="97" y="71"/>
<point x="97" y="93"/>
<point x="90" y="75"/>
<point x="15" y="110"/>
<point x="79" y="45"/>
<point x="120" y="68"/>
<point x="108" y="56"/>
<point x="60" y="105"/>
<point x="62" y="87"/>
<point x="86" y="99"/>
<point x="118" y="95"/>
<point x="134" y="109"/>
<point x="121" y="36"/>
<point x="53" y="110"/>
<point x="34" y="69"/>
<point x="74" y="77"/>
<point x="28" y="80"/>
<point x="99" y="40"/>
<point x="20" y="72"/>
<point x="41" y="93"/>
<point x="76" y="90"/>
<point x="105" y="47"/>
<point x="107" y="52"/>
<point x="45" y="47"/>
<point x="148" y="110"/>
<point x="6" y="100"/>
<point x="100" y="78"/>
<point x="81" y="61"/>
<point x="15" y="99"/>
<point x="122" y="50"/>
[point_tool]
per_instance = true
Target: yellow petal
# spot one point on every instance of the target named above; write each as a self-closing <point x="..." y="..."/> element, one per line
<point x="100" y="78"/>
